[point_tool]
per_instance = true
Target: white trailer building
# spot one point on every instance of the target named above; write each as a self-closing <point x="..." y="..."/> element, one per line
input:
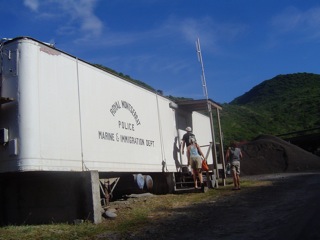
<point x="65" y="125"/>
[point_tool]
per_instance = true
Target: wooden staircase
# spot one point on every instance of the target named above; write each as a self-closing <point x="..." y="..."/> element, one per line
<point x="184" y="182"/>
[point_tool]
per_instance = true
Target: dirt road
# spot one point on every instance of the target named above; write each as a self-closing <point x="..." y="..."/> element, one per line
<point x="288" y="209"/>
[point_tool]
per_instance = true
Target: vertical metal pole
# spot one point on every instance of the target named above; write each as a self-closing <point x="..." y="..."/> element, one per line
<point x="84" y="168"/>
<point x="205" y="91"/>
<point x="203" y="78"/>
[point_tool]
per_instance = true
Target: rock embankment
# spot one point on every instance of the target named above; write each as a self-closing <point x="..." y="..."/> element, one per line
<point x="270" y="154"/>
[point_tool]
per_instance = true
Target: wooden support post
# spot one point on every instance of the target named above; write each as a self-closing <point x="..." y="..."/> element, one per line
<point x="221" y="149"/>
<point x="214" y="150"/>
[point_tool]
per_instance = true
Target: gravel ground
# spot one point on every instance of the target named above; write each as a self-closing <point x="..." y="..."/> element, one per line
<point x="287" y="209"/>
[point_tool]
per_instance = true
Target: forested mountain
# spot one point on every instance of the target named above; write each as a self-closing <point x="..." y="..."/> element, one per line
<point x="282" y="104"/>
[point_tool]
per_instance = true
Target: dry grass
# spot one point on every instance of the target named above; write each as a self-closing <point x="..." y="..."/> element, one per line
<point x="133" y="214"/>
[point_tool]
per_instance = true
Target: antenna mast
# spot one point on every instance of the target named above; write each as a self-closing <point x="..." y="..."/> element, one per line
<point x="203" y="77"/>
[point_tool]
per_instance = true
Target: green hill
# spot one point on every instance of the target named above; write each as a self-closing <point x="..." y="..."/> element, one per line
<point x="282" y="104"/>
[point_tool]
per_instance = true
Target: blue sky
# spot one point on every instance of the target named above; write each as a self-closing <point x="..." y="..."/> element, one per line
<point x="243" y="42"/>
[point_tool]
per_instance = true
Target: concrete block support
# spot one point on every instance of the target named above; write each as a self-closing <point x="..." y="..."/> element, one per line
<point x="49" y="197"/>
<point x="95" y="195"/>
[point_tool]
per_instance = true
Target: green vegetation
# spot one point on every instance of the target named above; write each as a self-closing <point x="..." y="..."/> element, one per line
<point x="285" y="103"/>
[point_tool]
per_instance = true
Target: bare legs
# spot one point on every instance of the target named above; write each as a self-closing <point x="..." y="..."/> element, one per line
<point x="236" y="180"/>
<point x="197" y="173"/>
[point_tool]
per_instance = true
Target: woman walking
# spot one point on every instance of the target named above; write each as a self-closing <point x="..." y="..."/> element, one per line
<point x="194" y="155"/>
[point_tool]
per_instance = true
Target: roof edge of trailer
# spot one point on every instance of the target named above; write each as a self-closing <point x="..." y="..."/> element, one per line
<point x="198" y="105"/>
<point x="189" y="105"/>
<point x="9" y="40"/>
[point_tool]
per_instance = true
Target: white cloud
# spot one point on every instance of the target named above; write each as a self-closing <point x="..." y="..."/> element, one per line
<point x="32" y="4"/>
<point x="293" y="25"/>
<point x="288" y="20"/>
<point x="182" y="30"/>
<point x="293" y="20"/>
<point x="79" y="14"/>
<point x="211" y="33"/>
<point x="83" y="11"/>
